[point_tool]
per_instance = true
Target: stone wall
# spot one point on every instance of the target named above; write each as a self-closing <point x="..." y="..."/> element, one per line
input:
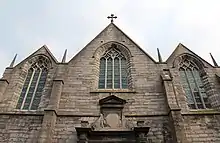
<point x="202" y="128"/>
<point x="19" y="128"/>
<point x="65" y="128"/>
<point x="16" y="77"/>
<point x="145" y="96"/>
<point x="78" y="97"/>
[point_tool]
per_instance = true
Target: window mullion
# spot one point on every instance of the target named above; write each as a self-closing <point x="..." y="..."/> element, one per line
<point x="35" y="89"/>
<point x="120" y="73"/>
<point x="113" y="73"/>
<point x="29" y="85"/>
<point x="191" y="89"/>
<point x="105" y="73"/>
<point x="200" y="94"/>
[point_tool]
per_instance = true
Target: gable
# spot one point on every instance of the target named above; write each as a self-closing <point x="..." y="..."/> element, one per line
<point x="41" y="51"/>
<point x="180" y="50"/>
<point x="112" y="34"/>
<point x="112" y="99"/>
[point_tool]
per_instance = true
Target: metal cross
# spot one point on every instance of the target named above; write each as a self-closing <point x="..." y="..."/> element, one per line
<point x="112" y="17"/>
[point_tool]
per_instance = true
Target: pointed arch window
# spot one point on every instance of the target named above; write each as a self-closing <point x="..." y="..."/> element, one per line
<point x="113" y="70"/>
<point x="193" y="86"/>
<point x="33" y="86"/>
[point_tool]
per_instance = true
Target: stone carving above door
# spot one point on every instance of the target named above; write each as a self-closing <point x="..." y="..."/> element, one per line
<point x="111" y="115"/>
<point x="112" y="126"/>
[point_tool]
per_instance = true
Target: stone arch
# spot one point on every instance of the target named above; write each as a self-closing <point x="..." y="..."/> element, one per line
<point x="35" y="71"/>
<point x="103" y="48"/>
<point x="186" y="56"/>
<point x="41" y="59"/>
<point x="194" y="79"/>
<point x="100" y="51"/>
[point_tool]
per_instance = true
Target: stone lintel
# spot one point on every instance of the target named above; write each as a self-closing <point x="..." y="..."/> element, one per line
<point x="107" y="135"/>
<point x="83" y="129"/>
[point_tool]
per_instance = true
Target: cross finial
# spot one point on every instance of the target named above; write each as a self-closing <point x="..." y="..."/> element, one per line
<point x="112" y="17"/>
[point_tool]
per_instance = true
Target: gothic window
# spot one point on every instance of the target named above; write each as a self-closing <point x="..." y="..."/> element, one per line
<point x="113" y="70"/>
<point x="193" y="85"/>
<point x="33" y="85"/>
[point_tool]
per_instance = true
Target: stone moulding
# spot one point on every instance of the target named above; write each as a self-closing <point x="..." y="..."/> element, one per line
<point x="86" y="134"/>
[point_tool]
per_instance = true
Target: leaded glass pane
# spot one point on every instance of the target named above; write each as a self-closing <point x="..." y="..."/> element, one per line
<point x="186" y="87"/>
<point x="124" y="73"/>
<point x="33" y="86"/>
<point x="41" y="83"/>
<point x="116" y="73"/>
<point x="201" y="87"/>
<point x="193" y="86"/>
<point x="102" y="73"/>
<point x="24" y="90"/>
<point x="109" y="73"/>
<point x="31" y="90"/>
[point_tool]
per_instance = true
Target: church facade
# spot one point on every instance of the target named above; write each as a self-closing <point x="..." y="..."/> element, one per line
<point x="112" y="91"/>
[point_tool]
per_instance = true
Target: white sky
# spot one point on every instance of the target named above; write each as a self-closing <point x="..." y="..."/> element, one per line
<point x="70" y="24"/>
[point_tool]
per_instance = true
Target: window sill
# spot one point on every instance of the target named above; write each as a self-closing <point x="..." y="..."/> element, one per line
<point x="113" y="91"/>
<point x="23" y="112"/>
<point x="201" y="112"/>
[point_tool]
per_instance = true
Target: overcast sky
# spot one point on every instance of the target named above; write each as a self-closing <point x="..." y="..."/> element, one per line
<point x="26" y="25"/>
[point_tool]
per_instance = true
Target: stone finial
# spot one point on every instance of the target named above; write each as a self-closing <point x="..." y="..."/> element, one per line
<point x="64" y="57"/>
<point x="213" y="60"/>
<point x="13" y="61"/>
<point x="159" y="56"/>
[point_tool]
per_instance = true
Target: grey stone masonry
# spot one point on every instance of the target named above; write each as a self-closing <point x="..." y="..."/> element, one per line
<point x="3" y="85"/>
<point x="155" y="99"/>
<point x="175" y="116"/>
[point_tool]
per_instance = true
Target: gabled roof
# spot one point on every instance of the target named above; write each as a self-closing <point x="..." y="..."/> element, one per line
<point x="134" y="43"/>
<point x="180" y="45"/>
<point x="44" y="47"/>
<point x="112" y="24"/>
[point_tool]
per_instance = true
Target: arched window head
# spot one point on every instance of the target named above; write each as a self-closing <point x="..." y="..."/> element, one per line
<point x="113" y="70"/>
<point x="34" y="84"/>
<point x="192" y="84"/>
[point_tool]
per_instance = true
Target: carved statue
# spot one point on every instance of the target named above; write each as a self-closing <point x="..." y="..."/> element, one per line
<point x="100" y="123"/>
<point x="103" y="122"/>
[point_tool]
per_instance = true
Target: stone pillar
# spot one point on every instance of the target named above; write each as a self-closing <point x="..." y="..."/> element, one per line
<point x="47" y="128"/>
<point x="176" y="119"/>
<point x="50" y="116"/>
<point x="3" y="85"/>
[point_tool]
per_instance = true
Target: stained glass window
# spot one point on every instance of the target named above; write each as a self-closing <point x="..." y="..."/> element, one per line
<point x="33" y="86"/>
<point x="102" y="73"/>
<point x="193" y="86"/>
<point x="113" y="70"/>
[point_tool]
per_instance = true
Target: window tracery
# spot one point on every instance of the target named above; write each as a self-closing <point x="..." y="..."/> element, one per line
<point x="113" y="70"/>
<point x="33" y="85"/>
<point x="192" y="84"/>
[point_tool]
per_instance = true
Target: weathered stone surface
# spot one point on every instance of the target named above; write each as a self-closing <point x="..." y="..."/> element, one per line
<point x="71" y="97"/>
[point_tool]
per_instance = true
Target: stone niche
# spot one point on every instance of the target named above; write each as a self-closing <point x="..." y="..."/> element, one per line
<point x="111" y="126"/>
